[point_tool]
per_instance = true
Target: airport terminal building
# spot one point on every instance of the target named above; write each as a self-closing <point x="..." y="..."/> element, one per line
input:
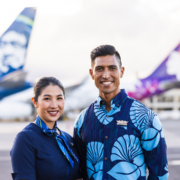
<point x="166" y="105"/>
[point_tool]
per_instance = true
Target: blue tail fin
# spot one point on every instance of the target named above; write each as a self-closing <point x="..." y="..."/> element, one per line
<point x="14" y="42"/>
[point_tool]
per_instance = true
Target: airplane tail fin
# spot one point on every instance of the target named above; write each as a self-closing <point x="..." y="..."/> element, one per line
<point x="169" y="69"/>
<point x="14" y="42"/>
<point x="166" y="76"/>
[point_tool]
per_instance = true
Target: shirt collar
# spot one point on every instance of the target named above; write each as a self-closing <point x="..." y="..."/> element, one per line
<point x="117" y="100"/>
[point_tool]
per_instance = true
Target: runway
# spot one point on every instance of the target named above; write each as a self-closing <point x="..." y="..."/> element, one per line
<point x="9" y="130"/>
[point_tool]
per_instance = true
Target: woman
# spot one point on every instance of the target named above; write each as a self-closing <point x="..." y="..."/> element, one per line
<point x="42" y="151"/>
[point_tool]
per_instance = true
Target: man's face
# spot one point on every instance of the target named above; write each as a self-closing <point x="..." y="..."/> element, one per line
<point x="12" y="51"/>
<point x="106" y="73"/>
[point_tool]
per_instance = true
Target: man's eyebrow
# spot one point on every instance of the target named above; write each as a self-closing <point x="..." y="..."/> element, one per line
<point x="108" y="66"/>
<point x="98" y="66"/>
<point x="112" y="66"/>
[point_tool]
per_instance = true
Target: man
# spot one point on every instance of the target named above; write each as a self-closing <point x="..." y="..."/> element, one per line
<point x="118" y="137"/>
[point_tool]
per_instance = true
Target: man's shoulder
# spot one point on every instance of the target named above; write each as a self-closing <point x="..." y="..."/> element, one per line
<point x="82" y="114"/>
<point x="79" y="121"/>
<point x="80" y="118"/>
<point x="138" y="106"/>
<point x="142" y="116"/>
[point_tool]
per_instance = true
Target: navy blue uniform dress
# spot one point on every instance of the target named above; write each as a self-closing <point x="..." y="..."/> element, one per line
<point x="36" y="156"/>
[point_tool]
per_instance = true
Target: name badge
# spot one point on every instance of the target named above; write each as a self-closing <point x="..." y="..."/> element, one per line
<point x="122" y="123"/>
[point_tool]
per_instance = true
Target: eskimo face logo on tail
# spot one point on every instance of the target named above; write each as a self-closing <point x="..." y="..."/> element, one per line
<point x="12" y="50"/>
<point x="173" y="64"/>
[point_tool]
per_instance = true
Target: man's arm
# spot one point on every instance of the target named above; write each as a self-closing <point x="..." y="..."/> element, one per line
<point x="81" y="147"/>
<point x="154" y="148"/>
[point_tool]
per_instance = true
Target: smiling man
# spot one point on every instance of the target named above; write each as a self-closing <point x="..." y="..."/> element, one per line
<point x="118" y="137"/>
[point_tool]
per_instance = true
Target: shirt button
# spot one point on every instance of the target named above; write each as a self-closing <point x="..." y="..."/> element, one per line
<point x="107" y="116"/>
<point x="105" y="158"/>
<point x="106" y="137"/>
<point x="118" y="105"/>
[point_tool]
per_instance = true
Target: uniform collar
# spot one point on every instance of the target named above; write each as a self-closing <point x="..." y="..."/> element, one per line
<point x="117" y="100"/>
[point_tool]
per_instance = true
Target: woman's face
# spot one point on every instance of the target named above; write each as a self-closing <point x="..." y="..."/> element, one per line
<point x="50" y="104"/>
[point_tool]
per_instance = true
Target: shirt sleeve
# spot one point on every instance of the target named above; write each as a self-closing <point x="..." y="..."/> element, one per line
<point x="154" y="148"/>
<point x="81" y="147"/>
<point x="23" y="158"/>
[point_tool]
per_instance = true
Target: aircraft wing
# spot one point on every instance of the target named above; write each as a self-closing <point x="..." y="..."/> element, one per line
<point x="13" y="80"/>
<point x="69" y="89"/>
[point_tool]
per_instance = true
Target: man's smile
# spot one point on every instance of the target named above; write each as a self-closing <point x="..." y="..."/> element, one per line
<point x="107" y="82"/>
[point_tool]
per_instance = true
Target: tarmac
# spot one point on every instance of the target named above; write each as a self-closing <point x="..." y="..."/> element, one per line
<point x="9" y="130"/>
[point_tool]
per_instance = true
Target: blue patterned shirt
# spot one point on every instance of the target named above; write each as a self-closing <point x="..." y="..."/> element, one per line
<point x="121" y="143"/>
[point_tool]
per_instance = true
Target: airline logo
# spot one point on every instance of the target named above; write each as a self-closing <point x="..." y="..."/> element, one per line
<point x="12" y="50"/>
<point x="14" y="42"/>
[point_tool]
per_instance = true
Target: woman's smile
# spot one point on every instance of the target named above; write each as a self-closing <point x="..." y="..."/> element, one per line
<point x="53" y="113"/>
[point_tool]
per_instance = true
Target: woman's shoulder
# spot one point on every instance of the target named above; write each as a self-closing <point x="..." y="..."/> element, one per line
<point x="24" y="138"/>
<point x="67" y="136"/>
<point x="69" y="139"/>
<point x="28" y="131"/>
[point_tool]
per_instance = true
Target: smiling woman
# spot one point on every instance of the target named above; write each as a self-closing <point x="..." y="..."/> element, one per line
<point x="41" y="150"/>
<point x="49" y="100"/>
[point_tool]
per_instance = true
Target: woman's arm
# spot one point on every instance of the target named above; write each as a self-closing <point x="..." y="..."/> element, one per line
<point x="23" y="158"/>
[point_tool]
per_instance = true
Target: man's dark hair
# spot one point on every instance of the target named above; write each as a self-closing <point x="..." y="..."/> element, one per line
<point x="105" y="50"/>
<point x="44" y="82"/>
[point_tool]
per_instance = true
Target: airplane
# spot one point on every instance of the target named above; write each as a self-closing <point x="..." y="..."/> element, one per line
<point x="16" y="93"/>
<point x="13" y="47"/>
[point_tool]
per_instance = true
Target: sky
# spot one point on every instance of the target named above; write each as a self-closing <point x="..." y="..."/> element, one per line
<point x="66" y="31"/>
